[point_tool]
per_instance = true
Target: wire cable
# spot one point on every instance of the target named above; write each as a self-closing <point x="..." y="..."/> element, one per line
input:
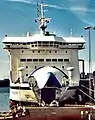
<point x="86" y="94"/>
<point x="88" y="88"/>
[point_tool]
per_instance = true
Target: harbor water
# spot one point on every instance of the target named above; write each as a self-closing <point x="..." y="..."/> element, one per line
<point x="4" y="99"/>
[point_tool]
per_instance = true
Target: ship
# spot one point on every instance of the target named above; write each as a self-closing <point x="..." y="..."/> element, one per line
<point x="45" y="79"/>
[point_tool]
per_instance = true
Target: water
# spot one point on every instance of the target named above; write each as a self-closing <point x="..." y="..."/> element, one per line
<point x="4" y="99"/>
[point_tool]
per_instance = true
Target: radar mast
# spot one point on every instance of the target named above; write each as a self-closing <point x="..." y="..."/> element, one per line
<point x="41" y="18"/>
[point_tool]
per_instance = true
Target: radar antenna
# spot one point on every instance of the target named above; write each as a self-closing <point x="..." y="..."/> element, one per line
<point x="41" y="18"/>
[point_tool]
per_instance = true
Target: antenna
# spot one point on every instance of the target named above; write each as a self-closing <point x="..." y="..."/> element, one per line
<point x="41" y="18"/>
<point x="71" y="32"/>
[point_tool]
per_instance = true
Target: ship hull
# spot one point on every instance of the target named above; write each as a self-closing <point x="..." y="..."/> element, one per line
<point x="56" y="113"/>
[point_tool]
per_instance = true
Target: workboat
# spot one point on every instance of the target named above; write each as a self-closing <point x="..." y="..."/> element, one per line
<point x="45" y="76"/>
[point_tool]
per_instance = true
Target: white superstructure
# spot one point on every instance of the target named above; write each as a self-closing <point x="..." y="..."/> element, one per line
<point x="45" y="49"/>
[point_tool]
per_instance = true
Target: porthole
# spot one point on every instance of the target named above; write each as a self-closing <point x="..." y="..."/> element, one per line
<point x="26" y="74"/>
<point x="63" y="67"/>
<point x="22" y="51"/>
<point x="26" y="67"/>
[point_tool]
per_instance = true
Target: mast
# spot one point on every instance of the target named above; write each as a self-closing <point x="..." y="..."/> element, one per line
<point x="41" y="18"/>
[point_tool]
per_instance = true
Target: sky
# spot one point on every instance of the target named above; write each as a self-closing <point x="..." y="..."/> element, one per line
<point x="17" y="18"/>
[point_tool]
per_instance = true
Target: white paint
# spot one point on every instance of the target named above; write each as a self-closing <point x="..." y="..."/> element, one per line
<point x="71" y="54"/>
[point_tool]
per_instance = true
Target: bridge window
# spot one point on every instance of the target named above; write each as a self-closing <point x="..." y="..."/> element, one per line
<point x="29" y="60"/>
<point x="48" y="60"/>
<point x="41" y="60"/>
<point x="22" y="60"/>
<point x="8" y="45"/>
<point x="24" y="43"/>
<point x="60" y="60"/>
<point x="60" y="43"/>
<point x="54" y="60"/>
<point x="51" y="45"/>
<point x="28" y="43"/>
<point x="35" y="60"/>
<point x="66" y="60"/>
